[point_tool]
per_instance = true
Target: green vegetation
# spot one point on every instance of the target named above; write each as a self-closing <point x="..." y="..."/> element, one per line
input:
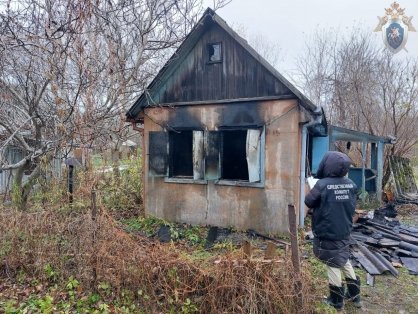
<point x="192" y="235"/>
<point x="414" y="163"/>
<point x="45" y="249"/>
<point x="122" y="189"/>
<point x="404" y="288"/>
<point x="147" y="225"/>
<point x="67" y="297"/>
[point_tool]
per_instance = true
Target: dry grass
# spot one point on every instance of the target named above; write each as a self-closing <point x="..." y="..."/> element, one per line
<point x="98" y="251"/>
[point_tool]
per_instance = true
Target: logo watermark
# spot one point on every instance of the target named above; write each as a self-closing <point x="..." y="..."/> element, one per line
<point x="395" y="26"/>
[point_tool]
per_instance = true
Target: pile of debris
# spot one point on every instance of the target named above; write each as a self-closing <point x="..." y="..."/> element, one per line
<point x="380" y="243"/>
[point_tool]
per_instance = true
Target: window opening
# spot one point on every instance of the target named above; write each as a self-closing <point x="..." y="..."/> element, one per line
<point x="228" y="155"/>
<point x="181" y="154"/>
<point x="234" y="156"/>
<point x="215" y="52"/>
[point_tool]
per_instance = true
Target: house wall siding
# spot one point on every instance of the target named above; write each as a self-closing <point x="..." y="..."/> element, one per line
<point x="238" y="75"/>
<point x="262" y="209"/>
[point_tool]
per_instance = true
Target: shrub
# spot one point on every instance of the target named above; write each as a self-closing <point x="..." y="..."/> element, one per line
<point x="97" y="254"/>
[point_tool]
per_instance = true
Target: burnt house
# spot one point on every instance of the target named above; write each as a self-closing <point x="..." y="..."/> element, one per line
<point x="224" y="134"/>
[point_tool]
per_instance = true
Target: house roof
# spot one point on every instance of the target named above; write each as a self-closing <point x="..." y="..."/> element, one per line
<point x="343" y="134"/>
<point x="188" y="44"/>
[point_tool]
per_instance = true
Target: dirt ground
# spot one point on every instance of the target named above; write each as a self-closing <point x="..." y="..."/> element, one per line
<point x="390" y="294"/>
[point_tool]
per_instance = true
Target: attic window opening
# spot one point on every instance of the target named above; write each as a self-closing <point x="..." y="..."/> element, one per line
<point x="215" y="52"/>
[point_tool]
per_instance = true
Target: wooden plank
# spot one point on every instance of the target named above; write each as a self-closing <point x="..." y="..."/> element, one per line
<point x="246" y="247"/>
<point x="294" y="239"/>
<point x="270" y="252"/>
<point x="295" y="253"/>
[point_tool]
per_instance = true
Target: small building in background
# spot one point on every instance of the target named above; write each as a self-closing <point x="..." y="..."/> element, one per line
<point x="12" y="154"/>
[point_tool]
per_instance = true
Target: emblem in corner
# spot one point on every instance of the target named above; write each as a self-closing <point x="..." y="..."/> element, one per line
<point x="395" y="26"/>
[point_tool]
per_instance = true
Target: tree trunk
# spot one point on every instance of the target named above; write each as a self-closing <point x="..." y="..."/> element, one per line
<point x="21" y="190"/>
<point x="17" y="191"/>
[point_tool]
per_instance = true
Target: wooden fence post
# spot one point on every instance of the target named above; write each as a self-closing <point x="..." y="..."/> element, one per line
<point x="295" y="253"/>
<point x="94" y="226"/>
<point x="71" y="183"/>
<point x="93" y="204"/>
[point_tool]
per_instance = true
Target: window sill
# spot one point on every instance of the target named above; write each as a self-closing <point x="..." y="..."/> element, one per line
<point x="240" y="183"/>
<point x="185" y="181"/>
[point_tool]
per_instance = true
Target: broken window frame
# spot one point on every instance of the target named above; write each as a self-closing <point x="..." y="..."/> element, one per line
<point x="260" y="163"/>
<point x="207" y="157"/>
<point x="210" y="46"/>
<point x="198" y="154"/>
<point x="233" y="155"/>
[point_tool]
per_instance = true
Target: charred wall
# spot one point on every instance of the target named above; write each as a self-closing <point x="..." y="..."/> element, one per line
<point x="210" y="203"/>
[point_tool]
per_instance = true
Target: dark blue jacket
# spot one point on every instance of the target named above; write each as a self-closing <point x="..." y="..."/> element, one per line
<point x="333" y="200"/>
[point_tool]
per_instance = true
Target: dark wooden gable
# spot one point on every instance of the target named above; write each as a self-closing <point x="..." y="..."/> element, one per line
<point x="238" y="75"/>
<point x="189" y="76"/>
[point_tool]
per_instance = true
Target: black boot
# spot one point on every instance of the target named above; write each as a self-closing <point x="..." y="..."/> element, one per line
<point x="336" y="297"/>
<point x="353" y="291"/>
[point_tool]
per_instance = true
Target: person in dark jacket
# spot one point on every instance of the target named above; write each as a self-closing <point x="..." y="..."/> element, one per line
<point x="333" y="200"/>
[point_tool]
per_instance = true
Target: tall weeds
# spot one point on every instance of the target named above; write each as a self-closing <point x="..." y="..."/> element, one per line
<point x="98" y="251"/>
<point x="69" y="242"/>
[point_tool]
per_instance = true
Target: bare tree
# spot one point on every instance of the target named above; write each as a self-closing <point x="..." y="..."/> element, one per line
<point x="69" y="69"/>
<point x="362" y="87"/>
<point x="315" y="67"/>
<point x="268" y="49"/>
<point x="398" y="96"/>
<point x="218" y="4"/>
<point x="33" y="44"/>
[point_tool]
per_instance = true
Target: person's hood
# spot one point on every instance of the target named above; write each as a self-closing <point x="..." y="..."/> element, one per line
<point x="333" y="164"/>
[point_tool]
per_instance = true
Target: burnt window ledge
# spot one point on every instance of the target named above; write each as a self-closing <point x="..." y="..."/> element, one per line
<point x="185" y="181"/>
<point x="240" y="183"/>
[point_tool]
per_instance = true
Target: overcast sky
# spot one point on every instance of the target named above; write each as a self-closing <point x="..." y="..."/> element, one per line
<point x="291" y="22"/>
